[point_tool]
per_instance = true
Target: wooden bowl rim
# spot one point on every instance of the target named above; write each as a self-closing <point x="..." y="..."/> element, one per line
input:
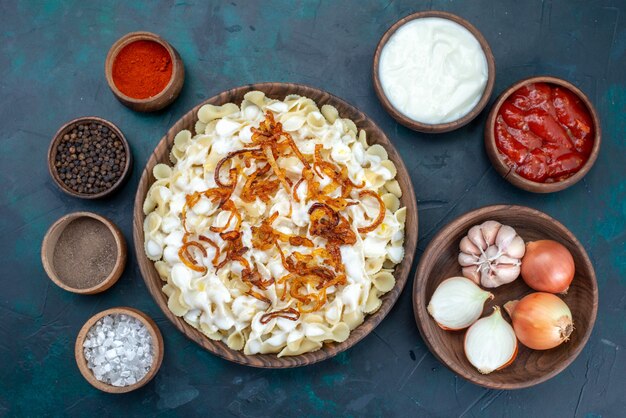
<point x="419" y="298"/>
<point x="271" y="360"/>
<point x="438" y="127"/>
<point x="129" y="38"/>
<point x="498" y="160"/>
<point x="157" y="344"/>
<point x="63" y="222"/>
<point x="52" y="152"/>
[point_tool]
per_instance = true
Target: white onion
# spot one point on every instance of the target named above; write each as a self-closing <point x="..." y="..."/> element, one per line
<point x="457" y="303"/>
<point x="490" y="344"/>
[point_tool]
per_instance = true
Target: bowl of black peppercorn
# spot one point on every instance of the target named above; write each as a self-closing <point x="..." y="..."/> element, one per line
<point x="89" y="158"/>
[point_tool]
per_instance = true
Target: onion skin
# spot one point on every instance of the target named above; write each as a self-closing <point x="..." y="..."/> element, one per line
<point x="548" y="266"/>
<point x="541" y="320"/>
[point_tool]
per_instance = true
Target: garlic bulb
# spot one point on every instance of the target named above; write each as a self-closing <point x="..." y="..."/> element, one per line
<point x="457" y="303"/>
<point x="490" y="344"/>
<point x="491" y="254"/>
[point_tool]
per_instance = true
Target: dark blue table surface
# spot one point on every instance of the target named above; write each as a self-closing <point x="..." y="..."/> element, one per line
<point x="51" y="65"/>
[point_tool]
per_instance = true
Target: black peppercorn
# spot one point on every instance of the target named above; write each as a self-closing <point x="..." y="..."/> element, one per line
<point x="90" y="158"/>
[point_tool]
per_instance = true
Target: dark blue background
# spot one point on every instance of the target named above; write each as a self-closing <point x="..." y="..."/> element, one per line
<point x="52" y="70"/>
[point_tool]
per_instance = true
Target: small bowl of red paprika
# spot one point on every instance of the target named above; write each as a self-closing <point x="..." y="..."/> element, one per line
<point x="144" y="71"/>
<point x="542" y="134"/>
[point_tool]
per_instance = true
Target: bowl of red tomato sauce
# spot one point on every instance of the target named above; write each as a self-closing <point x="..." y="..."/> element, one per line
<point x="542" y="134"/>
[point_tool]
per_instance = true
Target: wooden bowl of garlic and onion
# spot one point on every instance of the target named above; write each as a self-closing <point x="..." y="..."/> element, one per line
<point x="505" y="296"/>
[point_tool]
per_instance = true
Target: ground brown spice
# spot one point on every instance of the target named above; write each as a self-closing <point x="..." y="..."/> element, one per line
<point x="85" y="253"/>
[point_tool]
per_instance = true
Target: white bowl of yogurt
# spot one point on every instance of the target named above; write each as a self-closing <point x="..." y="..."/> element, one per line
<point x="433" y="71"/>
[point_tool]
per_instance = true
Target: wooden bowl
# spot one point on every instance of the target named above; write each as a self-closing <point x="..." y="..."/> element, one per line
<point x="531" y="367"/>
<point x="52" y="153"/>
<point x="375" y="136"/>
<point x="157" y="342"/>
<point x="50" y="242"/>
<point x="171" y="90"/>
<point x="497" y="159"/>
<point x="440" y="127"/>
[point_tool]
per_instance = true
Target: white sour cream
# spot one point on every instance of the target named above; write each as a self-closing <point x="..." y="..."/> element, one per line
<point x="433" y="70"/>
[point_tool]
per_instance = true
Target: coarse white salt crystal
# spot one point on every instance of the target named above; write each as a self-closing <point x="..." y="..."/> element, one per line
<point x="118" y="350"/>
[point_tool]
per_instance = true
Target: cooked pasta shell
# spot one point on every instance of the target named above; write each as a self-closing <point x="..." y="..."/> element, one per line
<point x="293" y="122"/>
<point x="306" y="346"/>
<point x="148" y="205"/>
<point x="340" y="332"/>
<point x="374" y="179"/>
<point x="313" y="319"/>
<point x="176" y="154"/>
<point x="391" y="201"/>
<point x="200" y="127"/>
<point x="210" y="162"/>
<point x="162" y="171"/>
<point x="349" y="125"/>
<point x="181" y="140"/>
<point x="379" y="151"/>
<point x="236" y="340"/>
<point x="173" y="157"/>
<point x="292" y="98"/>
<point x="401" y="215"/>
<point x="388" y="264"/>
<point x="315" y="120"/>
<point x="214" y="335"/>
<point x="210" y="127"/>
<point x="373" y="264"/>
<point x="151" y="224"/>
<point x="373" y="302"/>
<point x="384" y="281"/>
<point x="163" y="269"/>
<point x="175" y="304"/>
<point x="277" y="106"/>
<point x="209" y="112"/>
<point x="267" y="348"/>
<point x="330" y="113"/>
<point x="393" y="187"/>
<point x="391" y="167"/>
<point x="250" y="111"/>
<point x="256" y="97"/>
<point x="353" y="319"/>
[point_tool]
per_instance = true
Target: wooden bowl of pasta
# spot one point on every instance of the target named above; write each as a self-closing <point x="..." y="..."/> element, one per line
<point x="400" y="273"/>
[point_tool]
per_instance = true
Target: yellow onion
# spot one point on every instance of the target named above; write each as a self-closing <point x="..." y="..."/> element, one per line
<point x="490" y="343"/>
<point x="547" y="266"/>
<point x="541" y="320"/>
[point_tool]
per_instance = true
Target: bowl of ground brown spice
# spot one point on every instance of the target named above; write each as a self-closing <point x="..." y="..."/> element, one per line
<point x="144" y="71"/>
<point x="84" y="252"/>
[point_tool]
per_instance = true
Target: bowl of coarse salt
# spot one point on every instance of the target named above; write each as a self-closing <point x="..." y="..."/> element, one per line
<point x="119" y="350"/>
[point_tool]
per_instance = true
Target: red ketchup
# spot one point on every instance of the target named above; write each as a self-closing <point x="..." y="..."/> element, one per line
<point x="544" y="132"/>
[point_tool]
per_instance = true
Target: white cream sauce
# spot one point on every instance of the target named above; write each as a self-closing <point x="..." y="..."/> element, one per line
<point x="433" y="70"/>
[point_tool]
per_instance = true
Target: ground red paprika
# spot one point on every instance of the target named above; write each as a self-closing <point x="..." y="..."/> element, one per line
<point x="142" y="69"/>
